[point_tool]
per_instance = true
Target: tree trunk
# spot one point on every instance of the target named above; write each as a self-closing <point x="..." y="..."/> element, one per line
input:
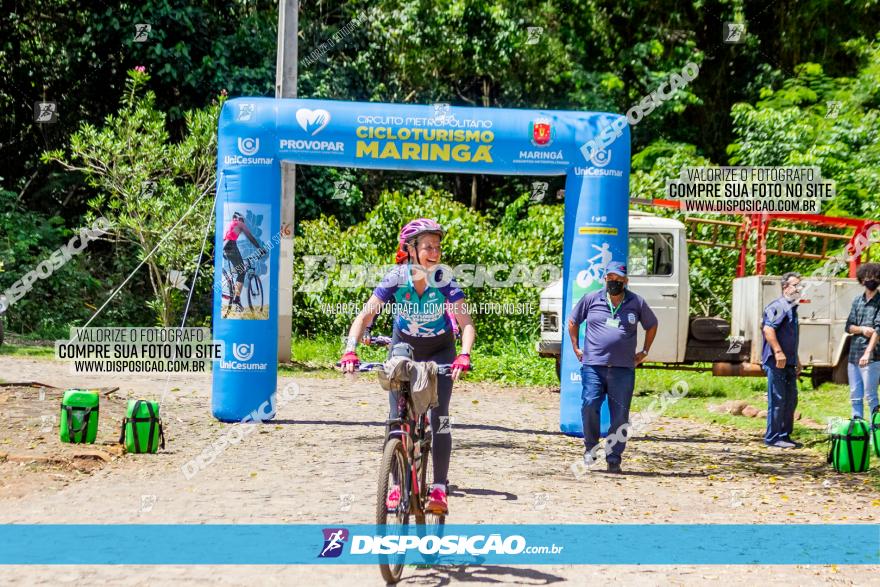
<point x="474" y="193"/>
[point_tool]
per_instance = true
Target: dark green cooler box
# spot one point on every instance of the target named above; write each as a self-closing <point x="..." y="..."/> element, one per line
<point x="142" y="427"/>
<point x="79" y="416"/>
<point x="850" y="448"/>
<point x="875" y="430"/>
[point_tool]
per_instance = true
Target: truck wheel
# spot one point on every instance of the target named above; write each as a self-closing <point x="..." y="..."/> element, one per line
<point x="820" y="375"/>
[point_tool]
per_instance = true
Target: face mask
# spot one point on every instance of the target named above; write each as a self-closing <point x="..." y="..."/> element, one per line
<point x="615" y="288"/>
<point x="871" y="284"/>
<point x="792" y="298"/>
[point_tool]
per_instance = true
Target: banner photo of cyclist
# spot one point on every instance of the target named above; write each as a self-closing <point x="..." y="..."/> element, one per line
<point x="245" y="278"/>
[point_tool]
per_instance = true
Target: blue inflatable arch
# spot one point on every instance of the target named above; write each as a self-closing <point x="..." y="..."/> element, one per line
<point x="257" y="134"/>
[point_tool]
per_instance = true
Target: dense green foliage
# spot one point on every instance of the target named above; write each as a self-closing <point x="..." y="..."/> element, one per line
<point x="527" y="235"/>
<point x="811" y="119"/>
<point x="763" y="102"/>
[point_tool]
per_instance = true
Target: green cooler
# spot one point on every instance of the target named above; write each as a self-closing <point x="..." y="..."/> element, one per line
<point x="875" y="430"/>
<point x="79" y="416"/>
<point x="142" y="427"/>
<point x="850" y="448"/>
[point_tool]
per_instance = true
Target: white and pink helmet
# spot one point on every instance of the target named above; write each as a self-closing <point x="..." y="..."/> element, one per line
<point x="419" y="226"/>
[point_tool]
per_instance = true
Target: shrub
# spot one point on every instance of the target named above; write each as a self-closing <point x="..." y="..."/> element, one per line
<point x="527" y="234"/>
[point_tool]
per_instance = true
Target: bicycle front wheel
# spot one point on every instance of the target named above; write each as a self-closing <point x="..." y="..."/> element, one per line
<point x="227" y="293"/>
<point x="393" y="471"/>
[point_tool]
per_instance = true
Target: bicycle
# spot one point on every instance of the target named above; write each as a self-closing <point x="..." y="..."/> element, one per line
<point x="406" y="462"/>
<point x="252" y="284"/>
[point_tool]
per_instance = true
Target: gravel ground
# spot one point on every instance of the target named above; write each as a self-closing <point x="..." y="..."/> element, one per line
<point x="317" y="464"/>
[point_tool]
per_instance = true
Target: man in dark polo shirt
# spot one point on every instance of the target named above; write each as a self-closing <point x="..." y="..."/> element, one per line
<point x="780" y="361"/>
<point x="609" y="358"/>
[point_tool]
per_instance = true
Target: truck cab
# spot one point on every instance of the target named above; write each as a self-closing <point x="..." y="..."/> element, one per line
<point x="658" y="271"/>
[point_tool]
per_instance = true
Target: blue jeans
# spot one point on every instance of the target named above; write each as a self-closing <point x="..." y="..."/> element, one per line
<point x="863" y="383"/>
<point x="782" y="398"/>
<point x="617" y="384"/>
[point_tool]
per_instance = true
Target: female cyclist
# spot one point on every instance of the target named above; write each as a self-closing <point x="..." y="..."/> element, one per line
<point x="231" y="252"/>
<point x="422" y="295"/>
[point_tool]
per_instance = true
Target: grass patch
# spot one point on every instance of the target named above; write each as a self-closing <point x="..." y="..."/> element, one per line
<point x="818" y="405"/>
<point x="22" y="350"/>
<point x="513" y="363"/>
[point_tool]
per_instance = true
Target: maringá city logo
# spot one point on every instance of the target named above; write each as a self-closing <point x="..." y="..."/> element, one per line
<point x="542" y="132"/>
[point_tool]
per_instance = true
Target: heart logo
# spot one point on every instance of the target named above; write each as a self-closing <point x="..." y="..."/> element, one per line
<point x="312" y="121"/>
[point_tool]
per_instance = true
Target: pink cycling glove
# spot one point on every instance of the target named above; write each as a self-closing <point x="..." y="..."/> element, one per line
<point x="350" y="357"/>
<point x="462" y="362"/>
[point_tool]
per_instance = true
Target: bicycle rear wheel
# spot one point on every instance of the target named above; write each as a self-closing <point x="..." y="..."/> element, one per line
<point x="255" y="293"/>
<point x="393" y="471"/>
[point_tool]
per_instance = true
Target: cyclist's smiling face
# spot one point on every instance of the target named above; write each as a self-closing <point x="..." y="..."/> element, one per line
<point x="428" y="250"/>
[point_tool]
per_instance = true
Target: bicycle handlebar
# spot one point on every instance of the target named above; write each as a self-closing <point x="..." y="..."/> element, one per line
<point x="442" y="369"/>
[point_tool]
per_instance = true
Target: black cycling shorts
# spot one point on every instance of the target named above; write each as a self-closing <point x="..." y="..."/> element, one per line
<point x="231" y="252"/>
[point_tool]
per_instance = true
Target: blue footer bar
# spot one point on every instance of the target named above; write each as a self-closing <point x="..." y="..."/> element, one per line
<point x="593" y="544"/>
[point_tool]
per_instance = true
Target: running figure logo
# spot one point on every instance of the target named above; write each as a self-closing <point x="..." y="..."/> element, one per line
<point x="445" y="426"/>
<point x="334" y="539"/>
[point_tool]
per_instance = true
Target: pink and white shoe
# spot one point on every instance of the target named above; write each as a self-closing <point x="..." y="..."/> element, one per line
<point x="393" y="498"/>
<point x="437" y="502"/>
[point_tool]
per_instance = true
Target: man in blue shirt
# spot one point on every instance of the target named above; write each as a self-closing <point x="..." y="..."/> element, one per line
<point x="609" y="360"/>
<point x="780" y="361"/>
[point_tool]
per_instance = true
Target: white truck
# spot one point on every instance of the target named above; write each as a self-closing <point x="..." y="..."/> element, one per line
<point x="658" y="271"/>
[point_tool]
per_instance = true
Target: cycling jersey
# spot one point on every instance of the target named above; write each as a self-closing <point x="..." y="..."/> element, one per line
<point x="231" y="232"/>
<point x="419" y="315"/>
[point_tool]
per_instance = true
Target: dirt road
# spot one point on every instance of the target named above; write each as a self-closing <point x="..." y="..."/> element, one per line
<point x="317" y="464"/>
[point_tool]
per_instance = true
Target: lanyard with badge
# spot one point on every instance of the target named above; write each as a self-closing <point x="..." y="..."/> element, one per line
<point x="613" y="321"/>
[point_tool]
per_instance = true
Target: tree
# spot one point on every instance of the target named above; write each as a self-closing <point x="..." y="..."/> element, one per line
<point x="147" y="185"/>
<point x="816" y="120"/>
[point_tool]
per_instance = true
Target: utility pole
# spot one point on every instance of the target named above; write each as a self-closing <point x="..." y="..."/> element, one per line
<point x="285" y="87"/>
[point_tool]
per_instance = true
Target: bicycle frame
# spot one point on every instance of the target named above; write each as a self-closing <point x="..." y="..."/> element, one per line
<point x="410" y="437"/>
<point x="412" y="433"/>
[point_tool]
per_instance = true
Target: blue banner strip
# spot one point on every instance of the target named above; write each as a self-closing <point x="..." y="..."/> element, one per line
<point x="218" y="544"/>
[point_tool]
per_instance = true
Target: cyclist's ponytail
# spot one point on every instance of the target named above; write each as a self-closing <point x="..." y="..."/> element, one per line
<point x="401" y="256"/>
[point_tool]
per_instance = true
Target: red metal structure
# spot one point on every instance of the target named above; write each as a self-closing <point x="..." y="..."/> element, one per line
<point x="760" y="227"/>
